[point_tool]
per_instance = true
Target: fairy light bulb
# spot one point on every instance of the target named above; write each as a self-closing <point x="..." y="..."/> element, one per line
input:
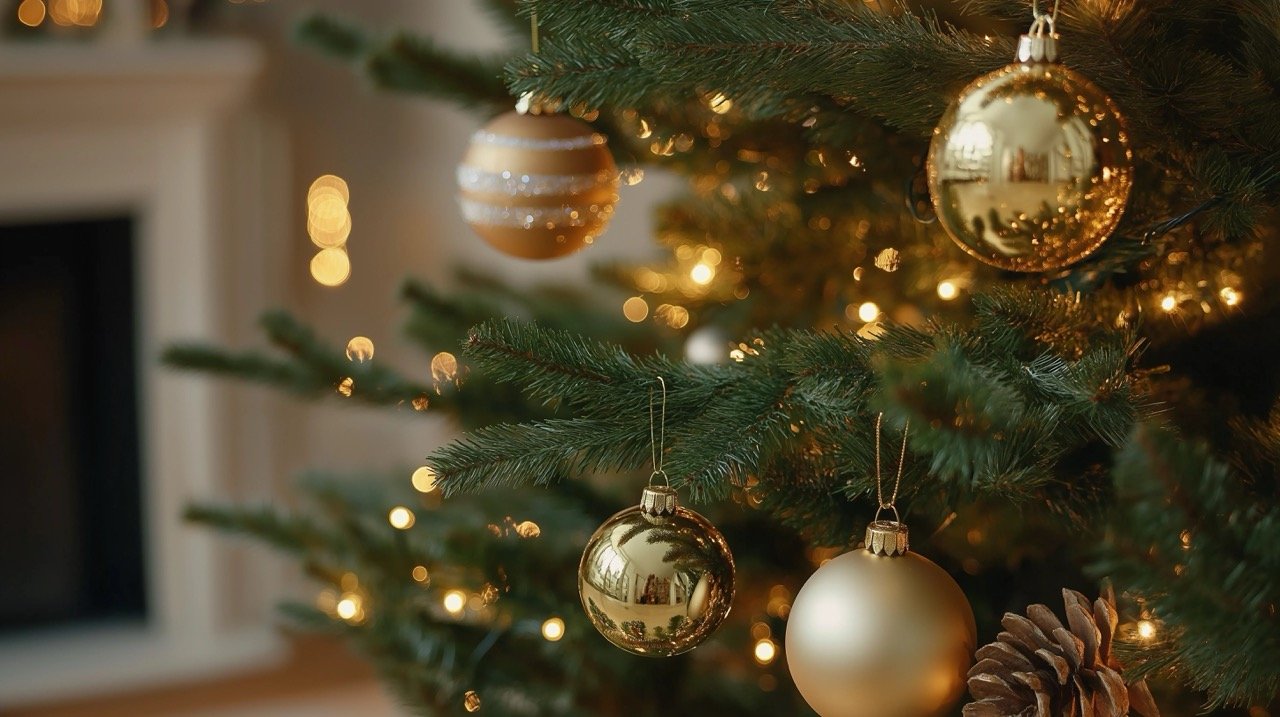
<point x="868" y="311"/>
<point x="553" y="629"/>
<point x="765" y="651"/>
<point x="401" y="518"/>
<point x="947" y="290"/>
<point x="1146" y="629"/>
<point x="424" y="479"/>
<point x="454" y="602"/>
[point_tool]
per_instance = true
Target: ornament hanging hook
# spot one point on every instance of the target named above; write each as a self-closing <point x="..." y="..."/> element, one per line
<point x="1042" y="21"/>
<point x="881" y="503"/>
<point x="658" y="436"/>
<point x="533" y="28"/>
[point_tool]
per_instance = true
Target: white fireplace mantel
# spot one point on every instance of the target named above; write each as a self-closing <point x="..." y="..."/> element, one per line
<point x="166" y="133"/>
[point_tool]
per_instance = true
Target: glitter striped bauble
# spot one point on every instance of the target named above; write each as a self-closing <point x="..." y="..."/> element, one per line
<point x="538" y="186"/>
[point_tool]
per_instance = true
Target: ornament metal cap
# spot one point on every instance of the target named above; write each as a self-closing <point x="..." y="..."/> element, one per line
<point x="1038" y="47"/>
<point x="658" y="500"/>
<point x="887" y="538"/>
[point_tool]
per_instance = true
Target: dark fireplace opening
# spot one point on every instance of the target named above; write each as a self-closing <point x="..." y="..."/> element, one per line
<point x="70" y="480"/>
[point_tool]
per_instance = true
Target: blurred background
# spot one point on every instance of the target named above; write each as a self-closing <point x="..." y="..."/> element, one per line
<point x="157" y="156"/>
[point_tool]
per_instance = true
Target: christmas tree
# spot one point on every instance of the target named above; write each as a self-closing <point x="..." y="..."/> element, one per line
<point x="1093" y="412"/>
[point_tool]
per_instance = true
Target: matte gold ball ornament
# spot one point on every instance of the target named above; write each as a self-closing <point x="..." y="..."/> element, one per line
<point x="881" y="631"/>
<point x="1030" y="168"/>
<point x="537" y="186"/>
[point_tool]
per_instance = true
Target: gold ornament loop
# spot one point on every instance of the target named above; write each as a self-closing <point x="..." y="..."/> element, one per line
<point x="658" y="436"/>
<point x="881" y="503"/>
<point x="894" y="508"/>
<point x="1044" y="20"/>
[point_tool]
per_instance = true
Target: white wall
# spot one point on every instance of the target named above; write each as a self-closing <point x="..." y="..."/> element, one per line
<point x="398" y="154"/>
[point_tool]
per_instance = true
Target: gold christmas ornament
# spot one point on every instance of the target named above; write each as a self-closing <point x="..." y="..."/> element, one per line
<point x="656" y="579"/>
<point x="880" y="631"/>
<point x="537" y="186"/>
<point x="1030" y="167"/>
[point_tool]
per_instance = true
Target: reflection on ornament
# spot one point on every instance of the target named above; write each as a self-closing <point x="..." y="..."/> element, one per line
<point x="537" y="186"/>
<point x="471" y="701"/>
<point x="1030" y="167"/>
<point x="656" y="579"/>
<point x="880" y="632"/>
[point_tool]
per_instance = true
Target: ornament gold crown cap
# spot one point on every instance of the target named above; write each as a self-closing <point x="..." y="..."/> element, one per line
<point x="887" y="538"/>
<point x="658" y="500"/>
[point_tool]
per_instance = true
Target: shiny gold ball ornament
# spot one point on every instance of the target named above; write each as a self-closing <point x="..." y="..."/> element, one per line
<point x="656" y="579"/>
<point x="537" y="186"/>
<point x="880" y="632"/>
<point x="1030" y="167"/>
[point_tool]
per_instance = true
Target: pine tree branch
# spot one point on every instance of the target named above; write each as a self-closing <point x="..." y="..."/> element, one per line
<point x="313" y="369"/>
<point x="1190" y="540"/>
<point x="987" y="422"/>
<point x="410" y="64"/>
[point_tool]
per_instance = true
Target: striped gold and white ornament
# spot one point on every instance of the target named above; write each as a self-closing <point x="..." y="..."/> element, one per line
<point x="538" y="186"/>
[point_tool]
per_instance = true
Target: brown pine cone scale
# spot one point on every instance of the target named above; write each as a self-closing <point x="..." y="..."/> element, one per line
<point x="1038" y="667"/>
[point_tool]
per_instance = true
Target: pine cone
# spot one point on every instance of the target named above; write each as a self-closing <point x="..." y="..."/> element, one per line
<point x="1038" y="668"/>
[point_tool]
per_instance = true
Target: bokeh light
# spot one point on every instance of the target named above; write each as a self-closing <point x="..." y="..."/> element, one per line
<point x="454" y="602"/>
<point x="331" y="267"/>
<point x="31" y="12"/>
<point x="424" y="479"/>
<point x="401" y="518"/>
<point x="553" y="629"/>
<point x="635" y="309"/>
<point x="359" y="349"/>
<point x="765" y="651"/>
<point x="444" y="366"/>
